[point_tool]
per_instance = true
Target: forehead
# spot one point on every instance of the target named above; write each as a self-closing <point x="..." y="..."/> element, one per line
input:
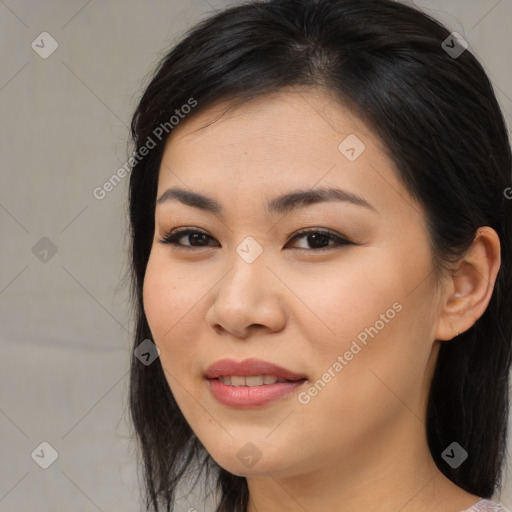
<point x="275" y="143"/>
<point x="277" y="120"/>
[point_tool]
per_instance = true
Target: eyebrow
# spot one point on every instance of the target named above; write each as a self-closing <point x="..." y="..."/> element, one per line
<point x="279" y="205"/>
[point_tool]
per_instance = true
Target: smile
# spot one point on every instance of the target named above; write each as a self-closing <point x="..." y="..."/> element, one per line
<point x="253" y="380"/>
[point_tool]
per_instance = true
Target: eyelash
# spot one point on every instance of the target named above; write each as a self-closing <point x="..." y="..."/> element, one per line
<point x="172" y="237"/>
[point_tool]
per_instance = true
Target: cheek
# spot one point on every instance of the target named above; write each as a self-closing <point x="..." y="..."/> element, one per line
<point x="171" y="304"/>
<point x="343" y="301"/>
<point x="171" y="300"/>
<point x="157" y="295"/>
<point x="368" y="316"/>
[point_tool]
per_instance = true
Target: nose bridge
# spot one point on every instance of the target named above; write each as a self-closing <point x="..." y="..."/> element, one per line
<point x="246" y="296"/>
<point x="248" y="269"/>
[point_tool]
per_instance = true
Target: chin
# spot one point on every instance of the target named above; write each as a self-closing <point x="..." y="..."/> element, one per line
<point x="239" y="469"/>
<point x="250" y="461"/>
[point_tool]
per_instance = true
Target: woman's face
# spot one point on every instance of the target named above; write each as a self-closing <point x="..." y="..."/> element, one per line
<point x="356" y="319"/>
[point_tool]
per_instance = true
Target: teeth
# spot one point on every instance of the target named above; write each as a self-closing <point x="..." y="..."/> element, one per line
<point x="252" y="380"/>
<point x="238" y="381"/>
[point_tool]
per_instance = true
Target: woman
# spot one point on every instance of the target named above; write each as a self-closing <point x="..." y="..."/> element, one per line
<point x="321" y="254"/>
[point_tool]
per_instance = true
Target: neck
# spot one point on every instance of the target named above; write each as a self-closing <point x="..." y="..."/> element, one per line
<point x="397" y="473"/>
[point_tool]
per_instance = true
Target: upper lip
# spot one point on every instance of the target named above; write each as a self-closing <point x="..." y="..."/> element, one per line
<point x="248" y="367"/>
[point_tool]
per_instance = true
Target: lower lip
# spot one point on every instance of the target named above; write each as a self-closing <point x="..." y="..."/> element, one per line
<point x="242" y="397"/>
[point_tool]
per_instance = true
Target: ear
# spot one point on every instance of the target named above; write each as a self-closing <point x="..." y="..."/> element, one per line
<point x="470" y="286"/>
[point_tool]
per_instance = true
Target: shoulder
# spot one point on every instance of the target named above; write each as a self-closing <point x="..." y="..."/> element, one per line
<point x="485" y="505"/>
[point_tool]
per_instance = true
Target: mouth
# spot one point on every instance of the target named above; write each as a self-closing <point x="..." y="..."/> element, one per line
<point x="257" y="368"/>
<point x="251" y="382"/>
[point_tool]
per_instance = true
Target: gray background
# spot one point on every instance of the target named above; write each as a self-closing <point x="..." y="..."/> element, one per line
<point x="65" y="322"/>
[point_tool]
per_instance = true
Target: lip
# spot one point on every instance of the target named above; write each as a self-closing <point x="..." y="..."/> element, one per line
<point x="243" y="397"/>
<point x="248" y="367"/>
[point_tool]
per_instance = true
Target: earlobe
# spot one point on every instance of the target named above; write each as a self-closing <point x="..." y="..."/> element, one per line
<point x="471" y="285"/>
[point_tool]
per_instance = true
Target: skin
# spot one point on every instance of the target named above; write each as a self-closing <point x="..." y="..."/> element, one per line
<point x="302" y="307"/>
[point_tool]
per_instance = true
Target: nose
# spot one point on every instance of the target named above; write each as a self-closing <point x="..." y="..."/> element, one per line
<point x="248" y="298"/>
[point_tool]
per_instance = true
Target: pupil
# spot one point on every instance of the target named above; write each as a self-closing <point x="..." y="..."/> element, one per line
<point x="318" y="238"/>
<point x="195" y="237"/>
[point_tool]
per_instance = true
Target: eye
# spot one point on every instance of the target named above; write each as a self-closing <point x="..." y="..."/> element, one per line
<point x="318" y="239"/>
<point x="195" y="237"/>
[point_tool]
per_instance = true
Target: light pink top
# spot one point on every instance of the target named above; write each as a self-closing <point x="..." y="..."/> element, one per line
<point x="485" y="506"/>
